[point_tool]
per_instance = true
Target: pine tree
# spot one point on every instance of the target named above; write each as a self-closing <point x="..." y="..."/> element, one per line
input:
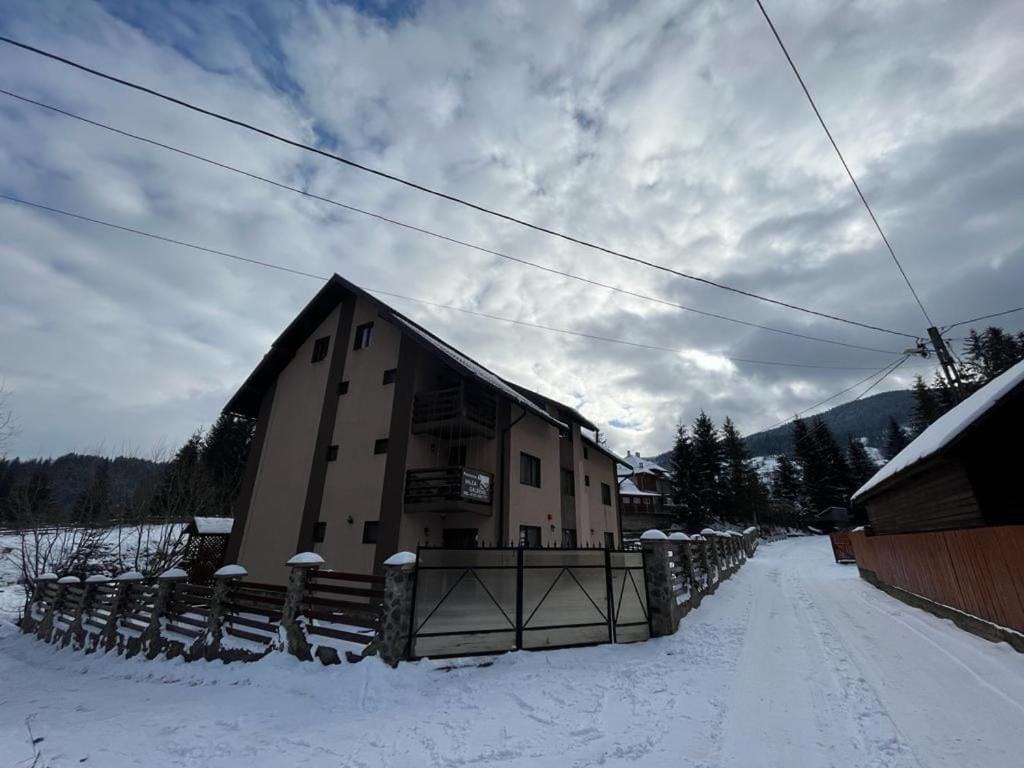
<point x="837" y="486"/>
<point x="927" y="407"/>
<point x="895" y="440"/>
<point x="93" y="504"/>
<point x="862" y="468"/>
<point x="786" y="485"/>
<point x="991" y="353"/>
<point x="681" y="466"/>
<point x="707" y="460"/>
<point x="743" y="493"/>
<point x="223" y="452"/>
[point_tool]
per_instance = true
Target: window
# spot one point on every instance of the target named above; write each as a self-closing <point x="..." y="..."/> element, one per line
<point x="529" y="470"/>
<point x="568" y="483"/>
<point x="529" y="536"/>
<point x="381" y="446"/>
<point x="606" y="494"/>
<point x="370" y="531"/>
<point x="364" y="333"/>
<point x="320" y="347"/>
<point x="585" y="454"/>
<point x="569" y="537"/>
<point x="342" y="388"/>
<point x="457" y="456"/>
<point x="586" y="480"/>
<point x="332" y="453"/>
<point x="459" y="537"/>
<point x="609" y="540"/>
<point x="389" y="376"/>
<point x="319" y="533"/>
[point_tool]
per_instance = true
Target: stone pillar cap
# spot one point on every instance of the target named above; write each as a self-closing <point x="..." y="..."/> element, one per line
<point x="401" y="558"/>
<point x="305" y="560"/>
<point x="232" y="571"/>
<point x="69" y="580"/>
<point x="678" y="536"/>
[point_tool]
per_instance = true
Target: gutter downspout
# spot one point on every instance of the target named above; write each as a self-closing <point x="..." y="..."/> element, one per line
<point x="506" y="473"/>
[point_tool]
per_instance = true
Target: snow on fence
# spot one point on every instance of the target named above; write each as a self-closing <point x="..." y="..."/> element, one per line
<point x="331" y="616"/>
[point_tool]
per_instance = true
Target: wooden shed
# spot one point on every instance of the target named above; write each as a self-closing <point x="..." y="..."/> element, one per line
<point x="206" y="545"/>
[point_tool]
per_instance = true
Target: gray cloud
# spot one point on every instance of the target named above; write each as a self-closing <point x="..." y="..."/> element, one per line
<point x="676" y="133"/>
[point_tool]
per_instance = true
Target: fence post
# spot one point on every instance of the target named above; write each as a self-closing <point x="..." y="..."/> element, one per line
<point x="295" y="641"/>
<point x="152" y="639"/>
<point x="109" y="638"/>
<point x="44" y="631"/>
<point x="222" y="579"/>
<point x="658" y="575"/>
<point x="76" y="630"/>
<point x="29" y="623"/>
<point x="394" y="639"/>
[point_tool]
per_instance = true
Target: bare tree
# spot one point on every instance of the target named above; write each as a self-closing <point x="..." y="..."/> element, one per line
<point x="8" y="426"/>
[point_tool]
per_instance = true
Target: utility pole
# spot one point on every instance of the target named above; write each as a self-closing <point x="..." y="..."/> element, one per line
<point x="949" y="367"/>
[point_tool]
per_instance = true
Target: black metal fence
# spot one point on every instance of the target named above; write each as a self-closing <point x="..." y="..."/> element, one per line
<point x="489" y="600"/>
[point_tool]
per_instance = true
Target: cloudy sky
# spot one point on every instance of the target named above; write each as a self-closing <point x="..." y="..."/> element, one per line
<point x="670" y="130"/>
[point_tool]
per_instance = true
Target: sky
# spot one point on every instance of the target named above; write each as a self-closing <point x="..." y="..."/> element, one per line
<point x="673" y="131"/>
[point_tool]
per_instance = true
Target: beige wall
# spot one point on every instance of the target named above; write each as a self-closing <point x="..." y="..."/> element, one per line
<point x="353" y="484"/>
<point x="529" y="505"/>
<point x="279" y="491"/>
<point x="602" y="517"/>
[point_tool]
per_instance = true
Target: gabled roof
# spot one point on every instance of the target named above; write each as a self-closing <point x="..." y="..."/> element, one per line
<point x="543" y="400"/>
<point x="246" y="401"/>
<point x="948" y="428"/>
<point x="628" y="488"/>
<point x="640" y="466"/>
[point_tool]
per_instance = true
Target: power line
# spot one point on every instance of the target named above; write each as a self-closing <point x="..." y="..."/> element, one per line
<point x="322" y="278"/>
<point x="442" y="195"/>
<point x="842" y="159"/>
<point x="434" y="234"/>
<point x="983" y="317"/>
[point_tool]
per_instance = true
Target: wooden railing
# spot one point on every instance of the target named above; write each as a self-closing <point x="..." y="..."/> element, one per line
<point x="448" y="484"/>
<point x="456" y="408"/>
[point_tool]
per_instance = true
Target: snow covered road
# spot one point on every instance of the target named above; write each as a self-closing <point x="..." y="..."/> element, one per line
<point x="793" y="662"/>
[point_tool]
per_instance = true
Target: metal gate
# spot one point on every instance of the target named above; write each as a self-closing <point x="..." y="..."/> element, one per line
<point x="471" y="601"/>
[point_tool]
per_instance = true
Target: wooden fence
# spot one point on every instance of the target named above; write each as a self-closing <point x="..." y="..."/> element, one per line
<point x="234" y="620"/>
<point x="978" y="571"/>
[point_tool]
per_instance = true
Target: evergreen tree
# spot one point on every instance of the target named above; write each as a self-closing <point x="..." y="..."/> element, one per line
<point x="223" y="452"/>
<point x="990" y="353"/>
<point x="837" y="487"/>
<point x="707" y="460"/>
<point x="93" y="505"/>
<point x="862" y="468"/>
<point x="928" y="406"/>
<point x="182" y="492"/>
<point x="895" y="440"/>
<point x="786" y="483"/>
<point x="743" y="494"/>
<point x="681" y="467"/>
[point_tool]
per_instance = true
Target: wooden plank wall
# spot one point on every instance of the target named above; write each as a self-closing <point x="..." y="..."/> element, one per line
<point x="979" y="571"/>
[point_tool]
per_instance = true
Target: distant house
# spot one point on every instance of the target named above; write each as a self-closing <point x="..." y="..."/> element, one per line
<point x="961" y="471"/>
<point x="832" y="519"/>
<point x="645" y="489"/>
<point x="374" y="435"/>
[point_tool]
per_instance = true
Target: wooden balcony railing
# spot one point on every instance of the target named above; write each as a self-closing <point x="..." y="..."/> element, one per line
<point x="457" y="409"/>
<point x="449" y="488"/>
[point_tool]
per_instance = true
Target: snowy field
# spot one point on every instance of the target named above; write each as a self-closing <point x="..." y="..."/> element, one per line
<point x="793" y="662"/>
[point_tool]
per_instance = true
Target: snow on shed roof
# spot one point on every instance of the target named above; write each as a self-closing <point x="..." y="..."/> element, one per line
<point x="206" y="526"/>
<point x="948" y="427"/>
<point x="628" y="488"/>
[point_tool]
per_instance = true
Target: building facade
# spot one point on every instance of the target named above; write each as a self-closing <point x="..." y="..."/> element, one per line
<point x="374" y="436"/>
<point x="645" y="489"/>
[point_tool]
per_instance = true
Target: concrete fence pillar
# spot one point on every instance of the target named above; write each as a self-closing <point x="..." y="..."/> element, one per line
<point x="393" y="642"/>
<point x="295" y="640"/>
<point x="76" y="630"/>
<point x="44" y="630"/>
<point x="706" y="564"/>
<point x="223" y="577"/>
<point x="66" y="603"/>
<point x="658" y="576"/>
<point x="31" y="617"/>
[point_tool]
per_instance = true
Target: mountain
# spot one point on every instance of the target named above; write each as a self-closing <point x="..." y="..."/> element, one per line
<point x="862" y="418"/>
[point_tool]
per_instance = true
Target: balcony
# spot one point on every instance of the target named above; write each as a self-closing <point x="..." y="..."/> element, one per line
<point x="456" y="410"/>
<point x="449" y="489"/>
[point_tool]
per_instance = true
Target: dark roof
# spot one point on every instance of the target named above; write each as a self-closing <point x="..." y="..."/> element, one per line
<point x="543" y="400"/>
<point x="246" y="401"/>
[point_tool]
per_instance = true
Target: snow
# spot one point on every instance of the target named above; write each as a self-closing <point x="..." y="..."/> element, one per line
<point x="401" y="558"/>
<point x="751" y="529"/>
<point x="678" y="536"/>
<point x="709" y="532"/>
<point x="47" y="577"/>
<point x="174" y="573"/>
<point x="130" y="576"/>
<point x="230" y="571"/>
<point x="948" y="426"/>
<point x="213" y="525"/>
<point x="69" y="580"/>
<point x="794" y="661"/>
<point x="97" y="578"/>
<point x="306" y="559"/>
<point x="653" y="534"/>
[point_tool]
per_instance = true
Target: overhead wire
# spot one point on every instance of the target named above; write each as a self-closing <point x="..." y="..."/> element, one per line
<point x="983" y="317"/>
<point x="324" y="278"/>
<point x="437" y="193"/>
<point x="842" y="159"/>
<point x="435" y="234"/>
